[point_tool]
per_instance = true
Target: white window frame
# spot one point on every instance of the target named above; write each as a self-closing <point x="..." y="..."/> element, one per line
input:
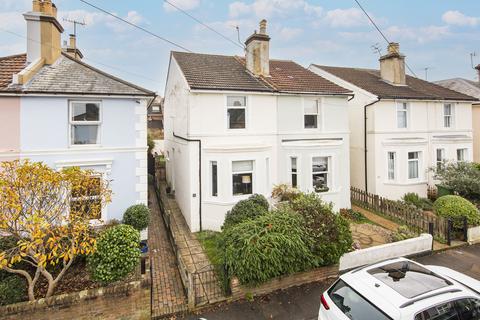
<point x="227" y="107"/>
<point x="450" y="116"/>
<point x="439" y="162"/>
<point x="291" y="173"/>
<point x="419" y="165"/>
<point x="393" y="170"/>
<point x="465" y="154"/>
<point x="75" y="123"/>
<point x="103" y="212"/>
<point x="318" y="114"/>
<point x="211" y="163"/>
<point x="329" y="172"/>
<point x="243" y="172"/>
<point x="400" y="108"/>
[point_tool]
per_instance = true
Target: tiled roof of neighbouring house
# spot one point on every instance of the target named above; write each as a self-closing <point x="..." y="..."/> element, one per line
<point x="217" y="72"/>
<point x="9" y="66"/>
<point x="371" y="81"/>
<point x="71" y="76"/>
<point x="464" y="86"/>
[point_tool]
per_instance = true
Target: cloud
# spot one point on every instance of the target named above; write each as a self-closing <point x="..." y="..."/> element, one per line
<point x="419" y="35"/>
<point x="269" y="8"/>
<point x="12" y="21"/>
<point x="287" y="33"/>
<point x="351" y="17"/>
<point x="20" y="5"/>
<point x="313" y="10"/>
<point x="93" y="19"/>
<point x="457" y="18"/>
<point x="182" y="4"/>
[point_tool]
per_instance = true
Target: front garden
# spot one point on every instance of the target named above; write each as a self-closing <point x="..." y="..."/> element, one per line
<point x="48" y="245"/>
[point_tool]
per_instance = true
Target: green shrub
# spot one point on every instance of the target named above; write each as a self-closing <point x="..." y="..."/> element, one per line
<point x="330" y="231"/>
<point x="260" y="200"/>
<point x="455" y="208"/>
<point x="13" y="289"/>
<point x="117" y="254"/>
<point x="268" y="246"/>
<point x="353" y="216"/>
<point x="244" y="210"/>
<point x="402" y="233"/>
<point x="415" y="200"/>
<point x="137" y="216"/>
<point x="150" y="143"/>
<point x="461" y="177"/>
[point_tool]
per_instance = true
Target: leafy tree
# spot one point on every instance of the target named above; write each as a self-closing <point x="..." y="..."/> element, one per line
<point x="461" y="177"/>
<point x="47" y="213"/>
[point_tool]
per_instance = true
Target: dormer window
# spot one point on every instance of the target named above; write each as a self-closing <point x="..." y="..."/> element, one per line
<point x="236" y="111"/>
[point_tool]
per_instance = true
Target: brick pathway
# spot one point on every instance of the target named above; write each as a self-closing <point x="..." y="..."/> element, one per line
<point x="168" y="296"/>
<point x="207" y="289"/>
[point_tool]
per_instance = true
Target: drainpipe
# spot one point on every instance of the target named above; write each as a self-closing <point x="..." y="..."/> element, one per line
<point x="199" y="174"/>
<point x="365" y="140"/>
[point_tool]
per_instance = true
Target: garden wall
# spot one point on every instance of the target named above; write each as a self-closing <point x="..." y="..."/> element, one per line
<point x="239" y="291"/>
<point x="403" y="248"/>
<point x="473" y="235"/>
<point x="123" y="301"/>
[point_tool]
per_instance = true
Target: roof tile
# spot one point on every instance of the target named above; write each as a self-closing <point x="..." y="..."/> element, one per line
<point x="9" y="66"/>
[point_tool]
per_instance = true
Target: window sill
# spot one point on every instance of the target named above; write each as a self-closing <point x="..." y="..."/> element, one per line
<point x="408" y="183"/>
<point x="329" y="192"/>
<point x="84" y="146"/>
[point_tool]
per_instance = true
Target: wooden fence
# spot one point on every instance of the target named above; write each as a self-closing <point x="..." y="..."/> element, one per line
<point x="416" y="219"/>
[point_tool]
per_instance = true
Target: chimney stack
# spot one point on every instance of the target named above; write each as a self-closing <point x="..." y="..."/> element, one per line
<point x="43" y="32"/>
<point x="71" y="48"/>
<point x="392" y="65"/>
<point x="478" y="72"/>
<point x="257" y="56"/>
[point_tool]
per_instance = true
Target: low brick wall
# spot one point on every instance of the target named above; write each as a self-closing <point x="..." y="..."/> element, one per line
<point x="124" y="301"/>
<point x="239" y="291"/>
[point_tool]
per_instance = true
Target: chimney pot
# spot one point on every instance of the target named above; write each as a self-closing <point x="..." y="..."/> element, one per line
<point x="263" y="26"/>
<point x="393" y="47"/>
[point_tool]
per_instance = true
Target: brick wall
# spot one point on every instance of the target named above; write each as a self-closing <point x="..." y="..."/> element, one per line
<point x="123" y="301"/>
<point x="240" y="291"/>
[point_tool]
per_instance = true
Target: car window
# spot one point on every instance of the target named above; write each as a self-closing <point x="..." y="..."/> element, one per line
<point x="444" y="311"/>
<point x="468" y="309"/>
<point x="353" y="305"/>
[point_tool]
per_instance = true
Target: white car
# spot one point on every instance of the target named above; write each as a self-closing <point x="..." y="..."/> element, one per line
<point x="401" y="289"/>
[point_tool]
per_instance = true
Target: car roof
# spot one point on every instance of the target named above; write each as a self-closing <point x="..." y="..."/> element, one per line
<point x="402" y="293"/>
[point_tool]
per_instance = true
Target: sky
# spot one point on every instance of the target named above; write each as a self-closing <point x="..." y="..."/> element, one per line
<point x="436" y="34"/>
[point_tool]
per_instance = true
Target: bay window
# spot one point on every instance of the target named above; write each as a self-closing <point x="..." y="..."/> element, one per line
<point x="461" y="154"/>
<point x="87" y="202"/>
<point x="84" y="123"/>
<point x="320" y="174"/>
<point x="236" y="112"/>
<point x="414" y="165"/>
<point x="242" y="177"/>
<point x="214" y="173"/>
<point x="293" y="171"/>
<point x="440" y="158"/>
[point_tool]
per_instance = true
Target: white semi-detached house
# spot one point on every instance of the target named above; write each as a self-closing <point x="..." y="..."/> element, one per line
<point x="401" y="126"/>
<point x="236" y="126"/>
<point x="56" y="109"/>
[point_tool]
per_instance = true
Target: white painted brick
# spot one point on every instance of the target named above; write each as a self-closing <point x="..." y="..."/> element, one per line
<point x="141" y="187"/>
<point x="142" y="163"/>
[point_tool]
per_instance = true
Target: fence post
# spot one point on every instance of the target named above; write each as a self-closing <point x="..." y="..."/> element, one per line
<point x="191" y="291"/>
<point x="430" y="230"/>
<point x="465" y="229"/>
<point x="449" y="232"/>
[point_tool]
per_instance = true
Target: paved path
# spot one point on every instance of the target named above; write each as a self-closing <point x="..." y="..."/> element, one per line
<point x="168" y="296"/>
<point x="302" y="303"/>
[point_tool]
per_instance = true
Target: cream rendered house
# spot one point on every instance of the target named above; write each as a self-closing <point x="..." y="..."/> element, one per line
<point x="235" y="126"/>
<point x="401" y="126"/>
<point x="471" y="88"/>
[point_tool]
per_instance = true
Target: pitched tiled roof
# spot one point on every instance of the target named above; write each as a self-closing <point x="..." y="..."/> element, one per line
<point x="371" y="81"/>
<point x="216" y="72"/>
<point x="9" y="66"/>
<point x="70" y="76"/>
<point x="464" y="86"/>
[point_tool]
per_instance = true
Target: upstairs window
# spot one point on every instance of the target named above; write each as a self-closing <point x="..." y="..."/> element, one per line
<point x="402" y="115"/>
<point x="310" y="117"/>
<point x="447" y="115"/>
<point x="236" y="112"/>
<point x="155" y="108"/>
<point x="242" y="177"/>
<point x="85" y="123"/>
<point x="413" y="165"/>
